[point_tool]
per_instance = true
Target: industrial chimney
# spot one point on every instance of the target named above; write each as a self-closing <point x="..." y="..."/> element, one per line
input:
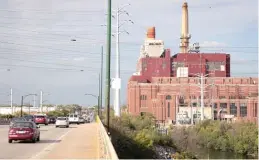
<point x="151" y="33"/>
<point x="185" y="36"/>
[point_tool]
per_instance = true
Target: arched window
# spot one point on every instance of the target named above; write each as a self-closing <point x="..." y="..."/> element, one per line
<point x="168" y="97"/>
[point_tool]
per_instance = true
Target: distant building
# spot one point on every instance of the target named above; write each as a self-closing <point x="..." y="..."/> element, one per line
<point x="167" y="86"/>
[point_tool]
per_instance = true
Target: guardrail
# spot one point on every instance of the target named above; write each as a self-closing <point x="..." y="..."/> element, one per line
<point x="108" y="151"/>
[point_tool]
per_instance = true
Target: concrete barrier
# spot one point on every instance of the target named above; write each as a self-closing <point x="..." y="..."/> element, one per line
<point x="108" y="149"/>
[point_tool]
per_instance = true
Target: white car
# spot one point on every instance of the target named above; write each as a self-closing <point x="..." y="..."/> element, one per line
<point x="74" y="118"/>
<point x="81" y="120"/>
<point x="62" y="121"/>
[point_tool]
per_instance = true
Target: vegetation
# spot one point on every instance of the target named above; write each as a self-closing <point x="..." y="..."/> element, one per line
<point x="239" y="137"/>
<point x="135" y="137"/>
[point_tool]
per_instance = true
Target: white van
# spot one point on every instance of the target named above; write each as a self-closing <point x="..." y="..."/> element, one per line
<point x="73" y="118"/>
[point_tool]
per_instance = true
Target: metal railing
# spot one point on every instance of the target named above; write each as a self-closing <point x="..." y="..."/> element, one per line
<point x="108" y="151"/>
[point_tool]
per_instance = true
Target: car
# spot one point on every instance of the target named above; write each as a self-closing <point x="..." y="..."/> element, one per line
<point x="41" y="119"/>
<point x="29" y="117"/>
<point x="13" y="120"/>
<point x="81" y="120"/>
<point x="52" y="120"/>
<point x="24" y="130"/>
<point x="62" y="121"/>
<point x="74" y="118"/>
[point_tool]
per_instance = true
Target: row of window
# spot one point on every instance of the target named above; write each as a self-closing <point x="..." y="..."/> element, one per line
<point x="223" y="106"/>
<point x="168" y="97"/>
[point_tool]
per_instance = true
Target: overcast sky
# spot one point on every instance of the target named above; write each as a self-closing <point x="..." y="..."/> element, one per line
<point x="36" y="51"/>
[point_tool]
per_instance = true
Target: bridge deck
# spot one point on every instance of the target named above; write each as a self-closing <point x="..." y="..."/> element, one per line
<point x="82" y="142"/>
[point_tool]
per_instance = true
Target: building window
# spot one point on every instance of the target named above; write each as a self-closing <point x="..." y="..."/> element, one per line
<point x="242" y="97"/>
<point x="223" y="106"/>
<point x="168" y="97"/>
<point x="168" y="109"/>
<point x="194" y="104"/>
<point x="232" y="97"/>
<point x="164" y="65"/>
<point x="243" y="109"/>
<point x="255" y="110"/>
<point x="233" y="109"/>
<point x="222" y="97"/>
<point x="143" y="97"/>
<point x="215" y="105"/>
<point x="143" y="103"/>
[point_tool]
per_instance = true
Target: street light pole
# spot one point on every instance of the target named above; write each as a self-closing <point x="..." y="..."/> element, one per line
<point x="12" y="100"/>
<point x="98" y="100"/>
<point x="21" y="105"/>
<point x="23" y="97"/>
<point x="108" y="64"/>
<point x="101" y="83"/>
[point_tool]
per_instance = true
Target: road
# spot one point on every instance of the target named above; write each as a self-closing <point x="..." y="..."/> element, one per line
<point x="25" y="150"/>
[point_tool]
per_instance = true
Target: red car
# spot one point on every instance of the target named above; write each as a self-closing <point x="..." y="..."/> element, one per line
<point x="24" y="130"/>
<point x="41" y="119"/>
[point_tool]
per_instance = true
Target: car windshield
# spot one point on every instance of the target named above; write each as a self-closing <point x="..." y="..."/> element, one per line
<point x="18" y="119"/>
<point x="22" y="125"/>
<point x="40" y="116"/>
<point x="62" y="118"/>
<point x="28" y="117"/>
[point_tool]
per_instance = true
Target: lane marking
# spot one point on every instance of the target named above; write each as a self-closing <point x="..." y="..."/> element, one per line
<point x="50" y="146"/>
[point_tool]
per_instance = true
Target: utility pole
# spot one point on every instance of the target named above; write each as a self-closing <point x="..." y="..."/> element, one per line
<point x="101" y="83"/>
<point x="41" y="100"/>
<point x="117" y="86"/>
<point x="202" y="97"/>
<point x="192" y="111"/>
<point x="108" y="64"/>
<point x="99" y="102"/>
<point x="21" y="105"/>
<point x="11" y="100"/>
<point x="34" y="101"/>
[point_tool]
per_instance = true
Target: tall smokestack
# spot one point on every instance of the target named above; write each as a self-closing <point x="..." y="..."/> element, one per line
<point x="151" y="33"/>
<point x="185" y="29"/>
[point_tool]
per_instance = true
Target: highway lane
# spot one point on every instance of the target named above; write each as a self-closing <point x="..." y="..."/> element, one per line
<point x="25" y="150"/>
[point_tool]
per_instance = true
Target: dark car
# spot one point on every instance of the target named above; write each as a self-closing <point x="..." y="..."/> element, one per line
<point x="29" y="117"/>
<point x="13" y="120"/>
<point x="41" y="119"/>
<point x="24" y="130"/>
<point x="52" y="120"/>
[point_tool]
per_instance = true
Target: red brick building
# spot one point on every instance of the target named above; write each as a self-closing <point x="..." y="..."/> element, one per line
<point x="164" y="97"/>
<point x="167" y="86"/>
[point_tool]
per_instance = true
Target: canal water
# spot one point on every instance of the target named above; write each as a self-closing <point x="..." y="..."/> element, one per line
<point x="202" y="153"/>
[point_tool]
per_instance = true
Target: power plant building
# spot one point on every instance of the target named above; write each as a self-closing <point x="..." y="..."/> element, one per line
<point x="170" y="86"/>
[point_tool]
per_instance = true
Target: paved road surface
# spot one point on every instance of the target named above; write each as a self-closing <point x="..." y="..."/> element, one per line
<point x="24" y="150"/>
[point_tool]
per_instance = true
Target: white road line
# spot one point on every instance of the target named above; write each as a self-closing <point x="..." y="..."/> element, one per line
<point x="50" y="146"/>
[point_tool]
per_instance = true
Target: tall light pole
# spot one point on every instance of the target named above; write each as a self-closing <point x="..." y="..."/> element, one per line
<point x="117" y="79"/>
<point x="108" y="65"/>
<point x="101" y="81"/>
<point x="23" y="97"/>
<point x="11" y="94"/>
<point x="41" y="100"/>
<point x="98" y="100"/>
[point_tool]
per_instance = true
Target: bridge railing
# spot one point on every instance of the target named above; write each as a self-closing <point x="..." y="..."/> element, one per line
<point x="107" y="149"/>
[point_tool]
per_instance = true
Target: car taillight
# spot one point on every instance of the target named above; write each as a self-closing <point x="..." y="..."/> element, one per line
<point x="29" y="131"/>
<point x="12" y="131"/>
